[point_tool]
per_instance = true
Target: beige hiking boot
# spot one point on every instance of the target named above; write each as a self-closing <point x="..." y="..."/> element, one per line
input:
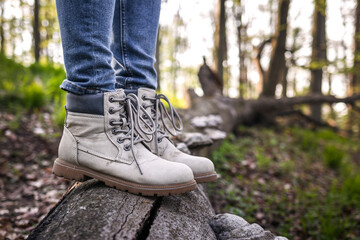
<point x="161" y="144"/>
<point x="99" y="141"/>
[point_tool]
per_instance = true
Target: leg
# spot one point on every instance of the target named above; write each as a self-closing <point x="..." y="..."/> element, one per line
<point x="99" y="140"/>
<point x="85" y="33"/>
<point x="133" y="43"/>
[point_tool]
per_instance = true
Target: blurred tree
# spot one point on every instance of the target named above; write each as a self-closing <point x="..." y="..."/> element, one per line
<point x="318" y="56"/>
<point x="36" y="30"/>
<point x="354" y="86"/>
<point x="48" y="27"/>
<point x="220" y="43"/>
<point x="2" y="34"/>
<point x="355" y="77"/>
<point x="291" y="62"/>
<point x="242" y="40"/>
<point x="277" y="61"/>
<point x="173" y="43"/>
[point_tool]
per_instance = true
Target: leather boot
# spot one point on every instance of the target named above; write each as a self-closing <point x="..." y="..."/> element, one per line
<point x="160" y="142"/>
<point x="99" y="141"/>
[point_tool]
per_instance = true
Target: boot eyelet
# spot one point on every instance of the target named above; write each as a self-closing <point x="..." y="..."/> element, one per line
<point x="111" y="122"/>
<point x="143" y="97"/>
<point x="126" y="147"/>
<point x="114" y="132"/>
<point x="143" y="105"/>
<point x="111" y="110"/>
<point x="119" y="140"/>
<point x="111" y="99"/>
<point x="144" y="116"/>
<point x="159" y="140"/>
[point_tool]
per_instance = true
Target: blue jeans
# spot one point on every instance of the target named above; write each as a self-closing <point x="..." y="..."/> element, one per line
<point x="108" y="44"/>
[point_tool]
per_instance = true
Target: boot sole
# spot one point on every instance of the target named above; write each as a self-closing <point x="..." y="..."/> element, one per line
<point x="70" y="171"/>
<point x="206" y="177"/>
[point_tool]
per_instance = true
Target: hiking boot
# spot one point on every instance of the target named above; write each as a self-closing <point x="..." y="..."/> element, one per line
<point x="99" y="141"/>
<point x="161" y="144"/>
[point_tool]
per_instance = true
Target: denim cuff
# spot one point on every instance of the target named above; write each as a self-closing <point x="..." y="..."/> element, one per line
<point x="75" y="89"/>
<point x="131" y="85"/>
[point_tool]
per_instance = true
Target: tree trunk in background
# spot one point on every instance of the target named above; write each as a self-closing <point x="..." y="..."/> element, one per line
<point x="285" y="82"/>
<point x="36" y="30"/>
<point x="220" y="40"/>
<point x="354" y="87"/>
<point x="277" y="61"/>
<point x="318" y="57"/>
<point x="355" y="78"/>
<point x="2" y="35"/>
<point x="157" y="56"/>
<point x="241" y="38"/>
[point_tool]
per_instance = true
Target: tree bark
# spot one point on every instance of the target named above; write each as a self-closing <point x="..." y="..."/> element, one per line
<point x="355" y="78"/>
<point x="36" y="30"/>
<point x="93" y="211"/>
<point x="2" y="35"/>
<point x="220" y="41"/>
<point x="285" y="82"/>
<point x="242" y="41"/>
<point x="354" y="86"/>
<point x="277" y="60"/>
<point x="318" y="57"/>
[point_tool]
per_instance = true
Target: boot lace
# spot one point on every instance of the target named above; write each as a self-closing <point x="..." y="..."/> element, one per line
<point x="159" y="110"/>
<point x="129" y="108"/>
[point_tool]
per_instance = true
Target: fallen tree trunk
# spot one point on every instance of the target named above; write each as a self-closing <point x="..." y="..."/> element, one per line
<point x="264" y="110"/>
<point x="94" y="211"/>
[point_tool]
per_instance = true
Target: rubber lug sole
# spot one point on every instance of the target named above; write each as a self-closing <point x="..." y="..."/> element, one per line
<point x="71" y="171"/>
<point x="206" y="177"/>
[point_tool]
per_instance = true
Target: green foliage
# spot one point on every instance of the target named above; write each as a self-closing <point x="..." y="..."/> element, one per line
<point x="306" y="139"/>
<point x="177" y="102"/>
<point x="34" y="96"/>
<point x="301" y="195"/>
<point x="32" y="88"/>
<point x="59" y="112"/>
<point x="262" y="161"/>
<point x="333" y="156"/>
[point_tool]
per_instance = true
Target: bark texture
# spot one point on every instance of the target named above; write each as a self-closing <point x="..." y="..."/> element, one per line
<point x="277" y="61"/>
<point x="318" y="57"/>
<point x="220" y="40"/>
<point x="355" y="78"/>
<point x="36" y="30"/>
<point x="93" y="211"/>
<point x="2" y="22"/>
<point x="209" y="81"/>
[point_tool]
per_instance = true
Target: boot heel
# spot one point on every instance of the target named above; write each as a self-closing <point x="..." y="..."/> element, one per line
<point x="68" y="171"/>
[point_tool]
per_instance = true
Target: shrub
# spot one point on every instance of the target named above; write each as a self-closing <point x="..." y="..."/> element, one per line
<point x="34" y="96"/>
<point x="333" y="156"/>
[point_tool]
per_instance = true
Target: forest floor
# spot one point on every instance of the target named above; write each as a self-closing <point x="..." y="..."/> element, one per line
<point x="28" y="189"/>
<point x="299" y="183"/>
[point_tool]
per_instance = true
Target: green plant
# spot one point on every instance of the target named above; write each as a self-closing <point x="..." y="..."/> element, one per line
<point x="34" y="96"/>
<point x="262" y="161"/>
<point x="333" y="156"/>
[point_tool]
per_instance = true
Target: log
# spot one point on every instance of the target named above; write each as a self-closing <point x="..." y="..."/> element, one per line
<point x="93" y="211"/>
<point x="264" y="110"/>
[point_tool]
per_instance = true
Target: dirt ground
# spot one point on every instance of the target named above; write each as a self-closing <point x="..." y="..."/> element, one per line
<point x="28" y="189"/>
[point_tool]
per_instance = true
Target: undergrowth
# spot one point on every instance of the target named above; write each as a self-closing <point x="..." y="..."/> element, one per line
<point x="33" y="88"/>
<point x="299" y="183"/>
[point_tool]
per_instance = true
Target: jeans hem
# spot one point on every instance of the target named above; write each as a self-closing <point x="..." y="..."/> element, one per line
<point x="129" y="84"/>
<point x="75" y="89"/>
